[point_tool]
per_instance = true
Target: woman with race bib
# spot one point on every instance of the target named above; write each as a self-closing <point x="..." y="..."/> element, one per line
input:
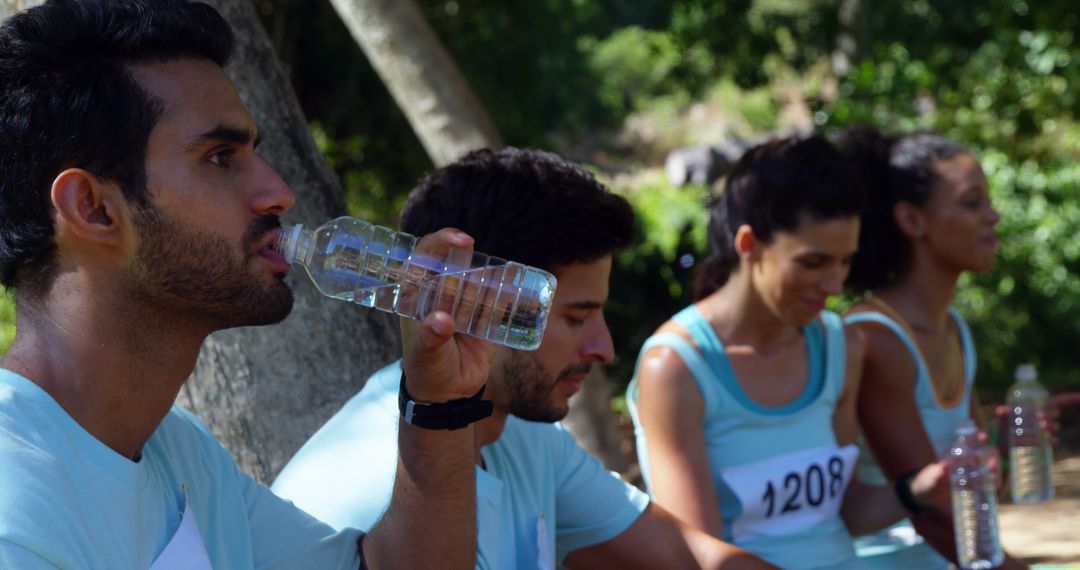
<point x="744" y="402"/>
<point x="927" y="220"/>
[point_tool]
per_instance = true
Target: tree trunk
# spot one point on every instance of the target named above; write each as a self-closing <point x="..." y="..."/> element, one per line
<point x="852" y="35"/>
<point x="593" y="423"/>
<point x="8" y="8"/>
<point x="421" y="75"/>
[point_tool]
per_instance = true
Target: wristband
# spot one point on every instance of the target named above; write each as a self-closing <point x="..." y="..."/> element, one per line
<point x="451" y="415"/>
<point x="902" y="486"/>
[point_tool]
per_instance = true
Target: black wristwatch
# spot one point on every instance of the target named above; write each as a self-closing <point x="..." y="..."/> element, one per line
<point x="451" y="415"/>
<point x="902" y="486"/>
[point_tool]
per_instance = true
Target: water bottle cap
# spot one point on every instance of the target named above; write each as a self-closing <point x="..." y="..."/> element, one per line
<point x="1026" y="372"/>
<point x="966" y="427"/>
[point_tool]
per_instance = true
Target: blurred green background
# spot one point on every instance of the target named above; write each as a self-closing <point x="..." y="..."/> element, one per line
<point x="617" y="84"/>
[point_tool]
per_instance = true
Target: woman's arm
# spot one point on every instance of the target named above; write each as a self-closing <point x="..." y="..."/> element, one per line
<point x="890" y="420"/>
<point x="659" y="540"/>
<point x="671" y="410"/>
<point x="868" y="508"/>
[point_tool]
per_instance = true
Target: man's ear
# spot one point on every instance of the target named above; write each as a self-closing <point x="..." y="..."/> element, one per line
<point x="909" y="219"/>
<point x="88" y="207"/>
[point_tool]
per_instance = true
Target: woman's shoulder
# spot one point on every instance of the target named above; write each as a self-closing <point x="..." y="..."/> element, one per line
<point x="661" y="344"/>
<point x="855" y="340"/>
<point x="664" y="360"/>
<point x="875" y="325"/>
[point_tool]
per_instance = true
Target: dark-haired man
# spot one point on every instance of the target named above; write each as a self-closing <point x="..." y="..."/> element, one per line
<point x="542" y="499"/>
<point x="135" y="219"/>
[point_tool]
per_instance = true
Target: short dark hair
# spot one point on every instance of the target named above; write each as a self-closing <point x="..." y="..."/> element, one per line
<point x="894" y="168"/>
<point x="528" y="206"/>
<point x="68" y="99"/>
<point x="771" y="188"/>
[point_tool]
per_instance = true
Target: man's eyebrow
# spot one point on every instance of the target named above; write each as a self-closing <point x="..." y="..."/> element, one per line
<point x="584" y="305"/>
<point x="225" y="133"/>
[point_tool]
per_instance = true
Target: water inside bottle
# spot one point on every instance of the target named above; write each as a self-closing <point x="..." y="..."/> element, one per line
<point x="501" y="303"/>
<point x="1030" y="454"/>
<point x="374" y="266"/>
<point x="1031" y="479"/>
<point x="975" y="517"/>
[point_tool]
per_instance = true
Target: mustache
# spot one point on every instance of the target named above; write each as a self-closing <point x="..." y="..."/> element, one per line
<point x="582" y="368"/>
<point x="260" y="227"/>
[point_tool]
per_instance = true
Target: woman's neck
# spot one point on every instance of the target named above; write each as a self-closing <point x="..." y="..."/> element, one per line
<point x="923" y="295"/>
<point x="741" y="317"/>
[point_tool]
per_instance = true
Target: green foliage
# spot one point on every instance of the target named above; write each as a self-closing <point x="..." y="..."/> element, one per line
<point x="367" y="194"/>
<point x="633" y="66"/>
<point x="7" y="321"/>
<point x="739" y="34"/>
<point x="651" y="280"/>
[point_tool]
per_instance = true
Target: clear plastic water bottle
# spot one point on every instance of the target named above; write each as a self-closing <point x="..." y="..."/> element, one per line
<point x="974" y="502"/>
<point x="375" y="266"/>
<point x="1030" y="453"/>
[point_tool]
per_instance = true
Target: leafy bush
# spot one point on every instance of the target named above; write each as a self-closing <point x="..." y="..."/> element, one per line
<point x="7" y="321"/>
<point x="651" y="280"/>
<point x="633" y="67"/>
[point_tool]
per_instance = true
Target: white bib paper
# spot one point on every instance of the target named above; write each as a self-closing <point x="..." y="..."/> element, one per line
<point x="790" y="493"/>
<point x="186" y="550"/>
<point x="546" y="559"/>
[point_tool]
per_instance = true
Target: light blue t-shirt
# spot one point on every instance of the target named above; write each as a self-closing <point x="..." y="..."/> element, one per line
<point x="899" y="546"/>
<point x="778" y="472"/>
<point x="539" y="497"/>
<point x="69" y="501"/>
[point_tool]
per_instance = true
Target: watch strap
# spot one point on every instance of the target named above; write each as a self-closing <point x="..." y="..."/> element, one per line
<point x="451" y="415"/>
<point x="902" y="486"/>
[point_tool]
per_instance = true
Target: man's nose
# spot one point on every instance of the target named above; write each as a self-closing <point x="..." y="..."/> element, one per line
<point x="599" y="347"/>
<point x="270" y="194"/>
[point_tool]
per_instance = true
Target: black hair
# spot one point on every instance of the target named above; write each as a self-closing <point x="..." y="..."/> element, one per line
<point x="771" y="188"/>
<point x="68" y="99"/>
<point x="893" y="169"/>
<point x="528" y="206"/>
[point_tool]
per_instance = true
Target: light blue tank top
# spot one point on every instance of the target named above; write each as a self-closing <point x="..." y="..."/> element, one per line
<point x="899" y="546"/>
<point x="770" y="465"/>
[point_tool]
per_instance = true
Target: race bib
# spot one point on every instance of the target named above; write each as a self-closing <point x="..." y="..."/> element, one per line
<point x="790" y="493"/>
<point x="546" y="558"/>
<point x="185" y="551"/>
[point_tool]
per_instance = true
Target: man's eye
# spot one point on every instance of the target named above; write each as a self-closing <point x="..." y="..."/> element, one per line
<point x="222" y="158"/>
<point x="575" y="322"/>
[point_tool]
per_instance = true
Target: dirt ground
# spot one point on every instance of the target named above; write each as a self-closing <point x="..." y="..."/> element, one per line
<point x="1047" y="535"/>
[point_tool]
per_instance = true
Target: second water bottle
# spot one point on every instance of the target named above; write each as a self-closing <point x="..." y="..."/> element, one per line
<point x="974" y="501"/>
<point x="1030" y="454"/>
